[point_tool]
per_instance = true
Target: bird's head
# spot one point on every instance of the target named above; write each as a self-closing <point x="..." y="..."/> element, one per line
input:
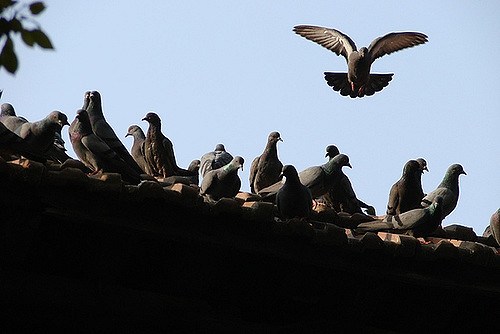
<point x="289" y="171"/>
<point x="331" y="151"/>
<point x="7" y="109"/>
<point x="59" y="118"/>
<point x="274" y="137"/>
<point x="456" y="169"/>
<point x="94" y="96"/>
<point x="220" y="147"/>
<point x="423" y="164"/>
<point x="238" y="161"/>
<point x="343" y="160"/>
<point x="411" y="168"/>
<point x="363" y="51"/>
<point x="132" y="129"/>
<point x="152" y="118"/>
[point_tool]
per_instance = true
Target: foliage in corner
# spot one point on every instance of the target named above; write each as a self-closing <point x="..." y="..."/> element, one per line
<point x="17" y="18"/>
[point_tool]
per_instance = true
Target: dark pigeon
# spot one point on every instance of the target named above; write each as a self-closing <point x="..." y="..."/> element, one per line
<point x="103" y="130"/>
<point x="40" y="135"/>
<point x="95" y="153"/>
<point x="319" y="179"/>
<point x="342" y="198"/>
<point x="358" y="81"/>
<point x="194" y="167"/>
<point x="222" y="182"/>
<point x="448" y="189"/>
<point x="417" y="222"/>
<point x="495" y="225"/>
<point x="137" y="150"/>
<point x="217" y="158"/>
<point x="159" y="150"/>
<point x="9" y="118"/>
<point x="266" y="168"/>
<point x="293" y="200"/>
<point x="11" y="146"/>
<point x="406" y="194"/>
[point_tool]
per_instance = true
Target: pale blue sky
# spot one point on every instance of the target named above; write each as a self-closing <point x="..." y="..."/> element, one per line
<point x="231" y="72"/>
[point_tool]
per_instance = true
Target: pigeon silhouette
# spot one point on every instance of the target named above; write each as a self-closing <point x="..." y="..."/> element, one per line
<point x="406" y="194"/>
<point x="265" y="169"/>
<point x="137" y="150"/>
<point x="448" y="189"/>
<point x="194" y="166"/>
<point x="9" y="118"/>
<point x="40" y="135"/>
<point x="495" y="225"/>
<point x="95" y="153"/>
<point x="319" y="179"/>
<point x="223" y="181"/>
<point x="159" y="150"/>
<point x="417" y="222"/>
<point x="294" y="199"/>
<point x="11" y="146"/>
<point x="103" y="130"/>
<point x="358" y="81"/>
<point x="342" y="197"/>
<point x="217" y="158"/>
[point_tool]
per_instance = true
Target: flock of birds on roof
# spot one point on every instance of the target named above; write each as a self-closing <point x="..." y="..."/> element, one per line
<point x="98" y="148"/>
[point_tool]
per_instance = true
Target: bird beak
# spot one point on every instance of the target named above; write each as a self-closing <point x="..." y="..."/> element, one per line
<point x="281" y="140"/>
<point x="425" y="168"/>
<point x="144" y="119"/>
<point x="463" y="172"/>
<point x="128" y="134"/>
<point x="349" y="165"/>
<point x="326" y="154"/>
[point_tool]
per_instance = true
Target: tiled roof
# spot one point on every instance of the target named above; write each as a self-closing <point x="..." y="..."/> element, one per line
<point x="33" y="193"/>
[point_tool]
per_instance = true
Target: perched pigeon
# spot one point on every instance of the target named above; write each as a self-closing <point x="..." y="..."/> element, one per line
<point x="448" y="189"/>
<point x="406" y="194"/>
<point x="215" y="159"/>
<point x="95" y="153"/>
<point x="40" y="135"/>
<point x="417" y="222"/>
<point x="194" y="167"/>
<point x="358" y="81"/>
<point x="11" y="145"/>
<point x="222" y="182"/>
<point x="294" y="199"/>
<point x="159" y="151"/>
<point x="103" y="130"/>
<point x="137" y="150"/>
<point x="342" y="197"/>
<point x="495" y="225"/>
<point x="9" y="118"/>
<point x="266" y="168"/>
<point x="319" y="179"/>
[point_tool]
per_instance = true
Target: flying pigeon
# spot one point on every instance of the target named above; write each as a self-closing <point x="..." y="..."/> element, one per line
<point x="266" y="168"/>
<point x="137" y="150"/>
<point x="406" y="194"/>
<point x="95" y="153"/>
<point x="217" y="158"/>
<point x="159" y="150"/>
<point x="293" y="200"/>
<point x="448" y="189"/>
<point x="495" y="225"/>
<point x="103" y="130"/>
<point x="417" y="222"/>
<point x="358" y="81"/>
<point x="40" y="135"/>
<point x="223" y="181"/>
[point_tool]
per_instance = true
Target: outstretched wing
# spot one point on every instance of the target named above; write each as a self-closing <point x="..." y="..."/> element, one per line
<point x="393" y="42"/>
<point x="331" y="39"/>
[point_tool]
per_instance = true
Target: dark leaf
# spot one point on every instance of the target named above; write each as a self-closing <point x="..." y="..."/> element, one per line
<point x="41" y="39"/>
<point x="15" y="25"/>
<point x="37" y="7"/>
<point x="8" y="58"/>
<point x="27" y="37"/>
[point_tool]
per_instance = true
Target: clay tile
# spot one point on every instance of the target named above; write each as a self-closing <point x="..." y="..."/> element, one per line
<point x="259" y="211"/>
<point x="331" y="235"/>
<point x="371" y="241"/>
<point x="150" y="189"/>
<point x="190" y="196"/>
<point x="446" y="250"/>
<point x="226" y="206"/>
